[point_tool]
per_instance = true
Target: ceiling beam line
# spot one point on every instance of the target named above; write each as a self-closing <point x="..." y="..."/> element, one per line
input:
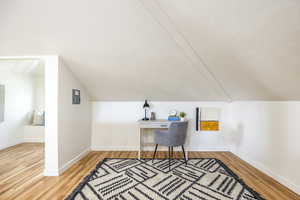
<point x="165" y="21"/>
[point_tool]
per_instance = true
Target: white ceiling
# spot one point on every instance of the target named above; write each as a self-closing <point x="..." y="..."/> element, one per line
<point x="31" y="67"/>
<point x="206" y="50"/>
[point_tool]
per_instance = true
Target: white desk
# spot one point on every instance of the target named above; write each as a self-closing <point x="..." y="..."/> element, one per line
<point x="151" y="124"/>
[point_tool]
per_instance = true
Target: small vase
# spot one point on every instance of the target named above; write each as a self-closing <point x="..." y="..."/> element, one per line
<point x="182" y="119"/>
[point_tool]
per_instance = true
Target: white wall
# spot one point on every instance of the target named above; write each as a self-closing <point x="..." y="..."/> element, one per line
<point x="34" y="134"/>
<point x="2" y="100"/>
<point x="74" y="121"/>
<point x="18" y="105"/>
<point x="114" y="124"/>
<point x="51" y="121"/>
<point x="267" y="135"/>
<point x="39" y="93"/>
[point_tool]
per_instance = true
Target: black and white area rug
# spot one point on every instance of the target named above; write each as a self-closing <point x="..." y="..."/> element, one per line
<point x="204" y="179"/>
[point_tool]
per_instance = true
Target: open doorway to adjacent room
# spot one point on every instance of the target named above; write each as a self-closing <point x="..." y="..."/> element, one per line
<point x="22" y="115"/>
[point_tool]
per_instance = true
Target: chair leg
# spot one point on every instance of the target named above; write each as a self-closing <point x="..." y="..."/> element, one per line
<point x="184" y="154"/>
<point x="172" y="152"/>
<point x="169" y="158"/>
<point x="154" y="152"/>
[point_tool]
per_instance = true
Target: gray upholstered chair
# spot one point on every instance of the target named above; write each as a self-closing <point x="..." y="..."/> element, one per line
<point x="174" y="136"/>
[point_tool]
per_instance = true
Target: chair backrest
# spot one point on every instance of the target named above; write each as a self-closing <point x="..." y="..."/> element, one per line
<point x="175" y="136"/>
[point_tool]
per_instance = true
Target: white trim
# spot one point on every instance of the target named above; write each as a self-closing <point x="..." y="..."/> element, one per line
<point x="51" y="173"/>
<point x="115" y="148"/>
<point x="34" y="140"/>
<point x="2" y="147"/>
<point x="208" y="149"/>
<point x="73" y="161"/>
<point x="147" y="148"/>
<point x="266" y="170"/>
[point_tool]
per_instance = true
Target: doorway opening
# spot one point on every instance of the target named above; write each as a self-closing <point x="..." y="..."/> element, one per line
<point x="22" y="115"/>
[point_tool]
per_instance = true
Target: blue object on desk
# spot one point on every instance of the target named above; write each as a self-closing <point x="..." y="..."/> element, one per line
<point x="173" y="118"/>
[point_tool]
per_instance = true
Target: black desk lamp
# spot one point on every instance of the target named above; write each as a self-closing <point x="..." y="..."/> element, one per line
<point x="145" y="107"/>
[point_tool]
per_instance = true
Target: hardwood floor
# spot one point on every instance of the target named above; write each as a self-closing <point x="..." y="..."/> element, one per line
<point x="21" y="177"/>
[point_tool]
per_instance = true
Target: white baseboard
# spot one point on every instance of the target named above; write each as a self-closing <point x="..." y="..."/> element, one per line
<point x="115" y="148"/>
<point x="208" y="149"/>
<point x="10" y="145"/>
<point x="73" y="161"/>
<point x="35" y="140"/>
<point x="266" y="170"/>
<point x="148" y="148"/>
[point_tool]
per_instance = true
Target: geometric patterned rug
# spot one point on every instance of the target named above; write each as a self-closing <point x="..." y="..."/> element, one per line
<point x="121" y="179"/>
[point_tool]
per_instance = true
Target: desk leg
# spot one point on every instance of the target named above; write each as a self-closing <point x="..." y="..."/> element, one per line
<point x="140" y="141"/>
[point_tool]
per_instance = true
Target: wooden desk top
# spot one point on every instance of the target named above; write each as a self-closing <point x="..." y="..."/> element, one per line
<point x="160" y="123"/>
<point x="154" y="121"/>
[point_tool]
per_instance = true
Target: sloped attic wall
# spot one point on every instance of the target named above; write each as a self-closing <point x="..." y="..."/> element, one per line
<point x="251" y="46"/>
<point x="121" y="50"/>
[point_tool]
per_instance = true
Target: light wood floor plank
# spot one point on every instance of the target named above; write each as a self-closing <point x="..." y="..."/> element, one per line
<point x="21" y="169"/>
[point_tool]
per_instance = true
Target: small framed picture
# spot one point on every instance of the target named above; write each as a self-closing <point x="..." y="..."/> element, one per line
<point x="76" y="96"/>
<point x="208" y="119"/>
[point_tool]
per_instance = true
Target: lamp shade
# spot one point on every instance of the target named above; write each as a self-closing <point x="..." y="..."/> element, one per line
<point x="146" y="105"/>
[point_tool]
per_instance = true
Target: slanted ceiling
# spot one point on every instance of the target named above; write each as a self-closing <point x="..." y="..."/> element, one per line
<point x="181" y="50"/>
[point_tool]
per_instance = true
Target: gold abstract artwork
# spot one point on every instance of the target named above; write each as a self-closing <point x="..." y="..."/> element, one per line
<point x="209" y="125"/>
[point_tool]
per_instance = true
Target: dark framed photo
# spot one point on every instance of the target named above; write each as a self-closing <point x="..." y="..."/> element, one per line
<point x="76" y="96"/>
